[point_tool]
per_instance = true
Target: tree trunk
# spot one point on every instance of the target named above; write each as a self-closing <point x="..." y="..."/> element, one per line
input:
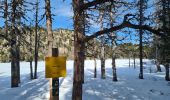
<point x="14" y="67"/>
<point x="157" y="55"/>
<point x="140" y="43"/>
<point x="129" y="60"/>
<point x="103" y="68"/>
<point x="31" y="70"/>
<point x="158" y="66"/>
<point x="78" y="50"/>
<point x="49" y="27"/>
<point x="36" y="42"/>
<point x="6" y="17"/>
<point x="18" y="57"/>
<point x="102" y="58"/>
<point x="31" y="58"/>
<point x="14" y="63"/>
<point x="134" y="61"/>
<point x="167" y="72"/>
<point x="77" y="81"/>
<point x="114" y="69"/>
<point x="95" y="68"/>
<point x="82" y="59"/>
<point x="141" y="57"/>
<point x="113" y="36"/>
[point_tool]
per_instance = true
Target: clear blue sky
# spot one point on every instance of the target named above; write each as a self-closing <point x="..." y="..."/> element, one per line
<point x="62" y="11"/>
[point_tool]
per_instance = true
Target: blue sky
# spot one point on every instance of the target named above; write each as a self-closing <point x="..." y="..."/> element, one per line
<point x="62" y="11"/>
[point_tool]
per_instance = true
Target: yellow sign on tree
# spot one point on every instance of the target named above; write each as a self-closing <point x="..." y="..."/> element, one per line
<point x="55" y="67"/>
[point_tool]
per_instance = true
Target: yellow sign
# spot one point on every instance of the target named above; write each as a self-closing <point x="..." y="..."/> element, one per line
<point x="55" y="67"/>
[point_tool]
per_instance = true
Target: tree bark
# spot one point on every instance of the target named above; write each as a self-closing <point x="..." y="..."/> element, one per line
<point x="49" y="27"/>
<point x="157" y="55"/>
<point x="158" y="66"/>
<point x="102" y="58"/>
<point x="36" y="41"/>
<point x="140" y="37"/>
<point x="6" y="17"/>
<point x="31" y="57"/>
<point x="129" y="59"/>
<point x="78" y="50"/>
<point x="134" y="61"/>
<point x="95" y="68"/>
<point x="167" y="72"/>
<point x="18" y="57"/>
<point x="113" y="36"/>
<point x="14" y="63"/>
<point x="114" y="69"/>
<point x="31" y="70"/>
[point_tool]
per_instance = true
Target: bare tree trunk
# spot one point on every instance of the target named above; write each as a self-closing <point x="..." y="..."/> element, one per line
<point x="6" y="17"/>
<point x="82" y="51"/>
<point x="102" y="58"/>
<point x="134" y="60"/>
<point x="157" y="55"/>
<point x="14" y="65"/>
<point x="95" y="68"/>
<point x="167" y="72"/>
<point x="49" y="27"/>
<point x="78" y="50"/>
<point x="83" y="45"/>
<point x="114" y="69"/>
<point x="129" y="60"/>
<point x="141" y="33"/>
<point x="158" y="66"/>
<point x="31" y="57"/>
<point x="18" y="57"/>
<point x="36" y="41"/>
<point x="103" y="68"/>
<point x="113" y="36"/>
<point x="31" y="70"/>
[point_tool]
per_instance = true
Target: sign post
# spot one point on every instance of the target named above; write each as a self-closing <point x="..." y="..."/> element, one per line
<point x="55" y="81"/>
<point x="55" y="67"/>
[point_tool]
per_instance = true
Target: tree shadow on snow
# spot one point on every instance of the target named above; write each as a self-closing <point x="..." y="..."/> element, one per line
<point x="37" y="89"/>
<point x="128" y="87"/>
<point x="28" y="89"/>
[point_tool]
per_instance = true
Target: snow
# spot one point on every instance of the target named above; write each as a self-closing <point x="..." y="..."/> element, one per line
<point x="128" y="87"/>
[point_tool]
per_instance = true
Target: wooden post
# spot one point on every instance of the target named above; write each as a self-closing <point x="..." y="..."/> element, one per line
<point x="54" y="92"/>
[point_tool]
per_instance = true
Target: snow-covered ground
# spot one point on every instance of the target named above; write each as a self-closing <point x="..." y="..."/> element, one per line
<point x="128" y="87"/>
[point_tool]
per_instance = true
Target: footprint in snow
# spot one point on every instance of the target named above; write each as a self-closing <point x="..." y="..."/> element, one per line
<point x="168" y="84"/>
<point x="156" y="92"/>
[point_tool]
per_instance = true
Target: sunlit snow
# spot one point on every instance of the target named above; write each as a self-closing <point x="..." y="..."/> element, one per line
<point x="128" y="87"/>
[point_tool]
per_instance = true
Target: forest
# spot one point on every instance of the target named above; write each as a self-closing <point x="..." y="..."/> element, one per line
<point x="135" y="32"/>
